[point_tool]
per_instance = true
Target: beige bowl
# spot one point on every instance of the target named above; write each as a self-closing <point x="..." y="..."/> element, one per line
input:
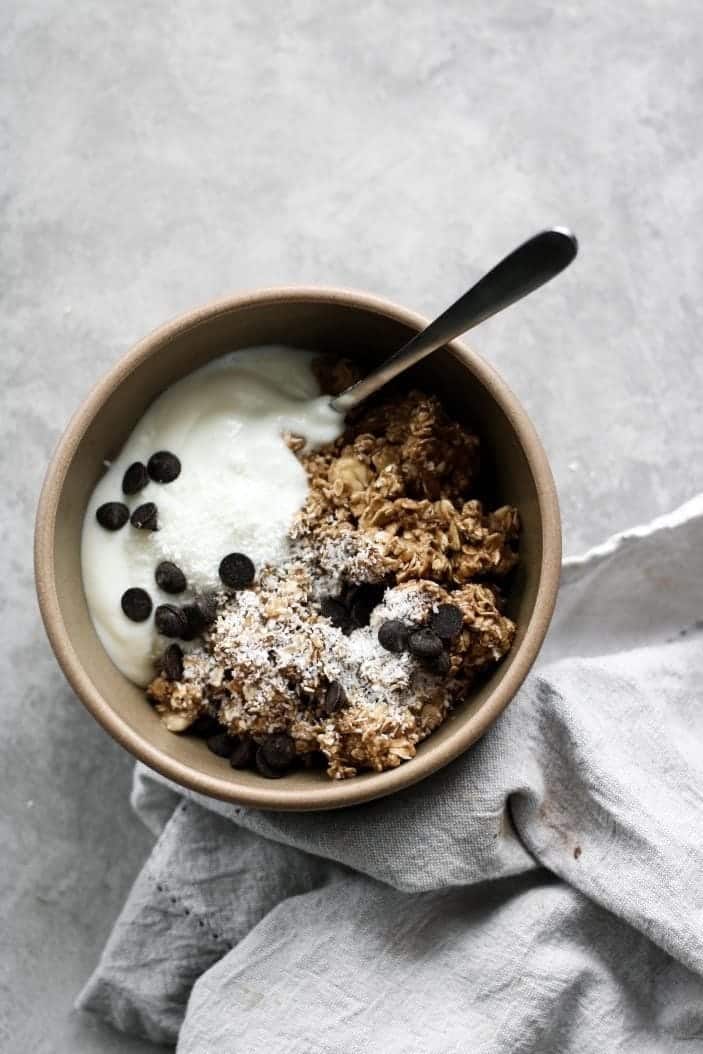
<point x="318" y="319"/>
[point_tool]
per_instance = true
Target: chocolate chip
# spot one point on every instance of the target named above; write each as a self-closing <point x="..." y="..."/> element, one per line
<point x="221" y="744"/>
<point x="172" y="663"/>
<point x="242" y="756"/>
<point x="145" y="517"/>
<point x="447" y="621"/>
<point x="425" y="644"/>
<point x="112" y="515"/>
<point x="334" y="698"/>
<point x="278" y="751"/>
<point x="169" y="577"/>
<point x="393" y="635"/>
<point x="362" y="599"/>
<point x="135" y="478"/>
<point x="442" y="664"/>
<point x="264" y="768"/>
<point x="205" y="727"/>
<point x="199" y="615"/>
<point x="215" y="701"/>
<point x="237" y="571"/>
<point x="136" y="604"/>
<point x="336" y="612"/>
<point x="315" y="759"/>
<point x="206" y="605"/>
<point x="164" y="467"/>
<point x="193" y="622"/>
<point x="227" y="673"/>
<point x="170" y="620"/>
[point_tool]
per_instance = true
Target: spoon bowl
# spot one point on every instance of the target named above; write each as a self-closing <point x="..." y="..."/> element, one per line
<point x="522" y="271"/>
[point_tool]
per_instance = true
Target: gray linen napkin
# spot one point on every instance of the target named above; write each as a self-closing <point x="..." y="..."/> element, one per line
<point x="543" y="893"/>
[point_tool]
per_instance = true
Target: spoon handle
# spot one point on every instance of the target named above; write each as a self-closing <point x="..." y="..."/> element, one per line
<point x="524" y="269"/>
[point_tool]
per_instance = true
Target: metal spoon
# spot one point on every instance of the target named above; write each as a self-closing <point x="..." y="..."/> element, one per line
<point x="525" y="269"/>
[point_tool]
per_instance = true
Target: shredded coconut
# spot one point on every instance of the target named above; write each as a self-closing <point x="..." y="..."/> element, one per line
<point x="275" y="650"/>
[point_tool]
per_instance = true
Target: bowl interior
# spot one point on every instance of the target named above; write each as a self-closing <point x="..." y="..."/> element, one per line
<point x="103" y="425"/>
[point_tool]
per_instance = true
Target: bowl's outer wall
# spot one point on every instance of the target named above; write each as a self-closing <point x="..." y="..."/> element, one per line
<point x="336" y="324"/>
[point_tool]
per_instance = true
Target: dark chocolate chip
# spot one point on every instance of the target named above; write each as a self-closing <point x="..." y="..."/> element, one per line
<point x="194" y="624"/>
<point x="265" y="769"/>
<point x="145" y="517"/>
<point x="362" y="599"/>
<point x="172" y="663"/>
<point x="425" y="644"/>
<point x="447" y="621"/>
<point x="315" y="759"/>
<point x="442" y="664"/>
<point x="164" y="467"/>
<point x="170" y="620"/>
<point x="215" y="701"/>
<point x="334" y="698"/>
<point x="243" y="752"/>
<point x="136" y="604"/>
<point x="278" y="751"/>
<point x="393" y="635"/>
<point x="135" y="478"/>
<point x="336" y="612"/>
<point x="237" y="571"/>
<point x="169" y="577"/>
<point x="112" y="515"/>
<point x="221" y="744"/>
<point x="206" y="606"/>
<point x="205" y="727"/>
<point x="227" y="673"/>
<point x="199" y="615"/>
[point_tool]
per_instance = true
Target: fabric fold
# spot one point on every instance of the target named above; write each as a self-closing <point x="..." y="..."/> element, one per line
<point x="543" y="889"/>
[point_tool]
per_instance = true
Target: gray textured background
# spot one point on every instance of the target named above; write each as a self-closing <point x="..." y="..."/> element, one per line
<point x="155" y="155"/>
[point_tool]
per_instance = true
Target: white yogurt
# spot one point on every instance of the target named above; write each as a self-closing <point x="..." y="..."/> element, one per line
<point x="238" y="490"/>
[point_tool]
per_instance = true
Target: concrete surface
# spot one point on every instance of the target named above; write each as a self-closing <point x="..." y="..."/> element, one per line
<point x="155" y="155"/>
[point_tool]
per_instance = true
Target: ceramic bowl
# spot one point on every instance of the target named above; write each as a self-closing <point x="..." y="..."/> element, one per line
<point x="320" y="319"/>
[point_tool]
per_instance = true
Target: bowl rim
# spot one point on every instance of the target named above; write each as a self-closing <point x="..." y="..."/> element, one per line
<point x="334" y="794"/>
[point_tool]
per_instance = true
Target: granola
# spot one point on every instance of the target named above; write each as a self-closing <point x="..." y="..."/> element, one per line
<point x="391" y="534"/>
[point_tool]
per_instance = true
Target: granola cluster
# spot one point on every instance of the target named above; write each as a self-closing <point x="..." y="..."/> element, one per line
<point x="355" y="650"/>
<point x="402" y="475"/>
